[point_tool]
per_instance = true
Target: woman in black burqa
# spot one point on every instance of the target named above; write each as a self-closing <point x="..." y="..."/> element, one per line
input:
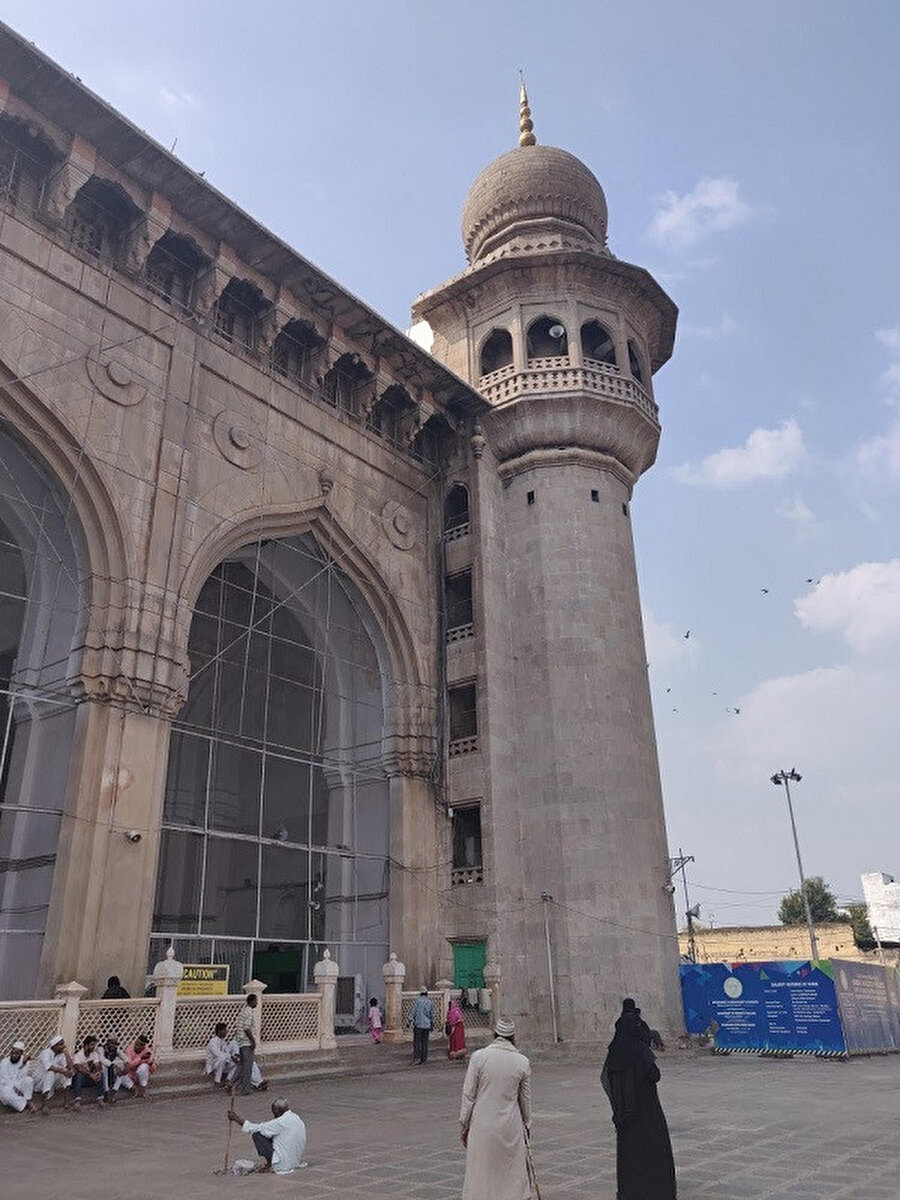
<point x="645" y="1168"/>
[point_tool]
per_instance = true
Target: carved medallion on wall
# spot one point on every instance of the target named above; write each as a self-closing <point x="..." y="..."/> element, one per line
<point x="113" y="378"/>
<point x="237" y="443"/>
<point x="398" y="525"/>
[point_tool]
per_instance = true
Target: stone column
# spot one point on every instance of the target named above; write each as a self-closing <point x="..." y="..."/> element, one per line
<point x="326" y="973"/>
<point x="256" y="987"/>
<point x="166" y="975"/>
<point x="394" y="974"/>
<point x="71" y="994"/>
<point x="492" y="982"/>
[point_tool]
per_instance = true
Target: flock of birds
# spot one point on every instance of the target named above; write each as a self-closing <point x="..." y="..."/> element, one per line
<point x="735" y="710"/>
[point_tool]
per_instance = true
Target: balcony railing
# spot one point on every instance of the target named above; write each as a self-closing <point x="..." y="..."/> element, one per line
<point x="460" y="632"/>
<point x="466" y="745"/>
<point x="556" y="375"/>
<point x="463" y="875"/>
<point x="457" y="531"/>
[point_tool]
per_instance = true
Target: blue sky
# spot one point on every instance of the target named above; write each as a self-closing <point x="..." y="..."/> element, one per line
<point x="749" y="156"/>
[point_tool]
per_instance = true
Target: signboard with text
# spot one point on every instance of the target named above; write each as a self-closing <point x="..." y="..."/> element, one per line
<point x="790" y="1006"/>
<point x="869" y="1001"/>
<point x="204" y="979"/>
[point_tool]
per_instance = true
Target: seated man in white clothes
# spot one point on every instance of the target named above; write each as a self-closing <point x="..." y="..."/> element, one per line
<point x="223" y="1060"/>
<point x="281" y="1142"/>
<point x="114" y="1069"/>
<point x="53" y="1070"/>
<point x="16" y="1085"/>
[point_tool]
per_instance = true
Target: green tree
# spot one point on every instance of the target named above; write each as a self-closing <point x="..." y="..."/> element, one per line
<point x="822" y="903"/>
<point x="859" y="919"/>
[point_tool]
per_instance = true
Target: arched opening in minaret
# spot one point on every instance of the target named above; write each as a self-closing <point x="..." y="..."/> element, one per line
<point x="294" y="351"/>
<point x="172" y="266"/>
<point x="25" y="164"/>
<point x="635" y="363"/>
<point x="547" y="338"/>
<point x="456" y="511"/>
<point x="496" y="351"/>
<point x="597" y="344"/>
<point x="349" y="385"/>
<point x="99" y="218"/>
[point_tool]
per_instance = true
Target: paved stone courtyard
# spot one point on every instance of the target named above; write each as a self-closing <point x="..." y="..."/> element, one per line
<point x="742" y="1128"/>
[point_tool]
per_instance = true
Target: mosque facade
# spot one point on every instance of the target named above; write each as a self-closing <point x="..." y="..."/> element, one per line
<point x="310" y="637"/>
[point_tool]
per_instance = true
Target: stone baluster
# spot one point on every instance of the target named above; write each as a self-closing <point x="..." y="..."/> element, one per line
<point x="492" y="982"/>
<point x="256" y="988"/>
<point x="70" y="994"/>
<point x="166" y="977"/>
<point x="326" y="975"/>
<point x="394" y="974"/>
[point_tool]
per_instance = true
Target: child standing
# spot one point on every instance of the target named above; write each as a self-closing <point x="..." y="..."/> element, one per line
<point x="375" y="1021"/>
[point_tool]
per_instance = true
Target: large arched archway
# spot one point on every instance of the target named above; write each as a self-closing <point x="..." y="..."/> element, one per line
<point x="276" y="820"/>
<point x="42" y="602"/>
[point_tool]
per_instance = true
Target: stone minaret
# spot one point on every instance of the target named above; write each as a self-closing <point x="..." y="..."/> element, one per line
<point x="562" y="339"/>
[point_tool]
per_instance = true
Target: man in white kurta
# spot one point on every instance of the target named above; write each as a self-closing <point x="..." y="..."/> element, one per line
<point x="281" y="1142"/>
<point x="494" y="1118"/>
<point x="53" y="1070"/>
<point x="16" y="1085"/>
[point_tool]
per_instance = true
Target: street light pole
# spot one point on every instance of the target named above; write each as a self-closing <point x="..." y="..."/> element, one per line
<point x="545" y="900"/>
<point x="779" y="778"/>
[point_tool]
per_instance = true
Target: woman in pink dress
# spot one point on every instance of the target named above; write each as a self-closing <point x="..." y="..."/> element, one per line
<point x="375" y="1021"/>
<point x="456" y="1032"/>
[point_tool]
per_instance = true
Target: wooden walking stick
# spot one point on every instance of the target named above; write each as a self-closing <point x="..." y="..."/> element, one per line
<point x="529" y="1164"/>
<point x="228" y="1135"/>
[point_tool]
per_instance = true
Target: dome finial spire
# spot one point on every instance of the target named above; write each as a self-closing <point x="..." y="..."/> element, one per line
<point x="526" y="125"/>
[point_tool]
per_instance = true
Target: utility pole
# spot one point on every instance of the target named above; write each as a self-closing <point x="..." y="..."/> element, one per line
<point x="680" y="864"/>
<point x="545" y="900"/>
<point x="779" y="778"/>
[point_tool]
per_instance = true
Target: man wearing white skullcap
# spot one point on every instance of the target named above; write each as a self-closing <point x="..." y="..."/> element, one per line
<point x="495" y="1118"/>
<point x="16" y="1085"/>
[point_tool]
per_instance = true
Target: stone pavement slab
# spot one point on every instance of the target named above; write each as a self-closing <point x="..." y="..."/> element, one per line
<point x="742" y="1129"/>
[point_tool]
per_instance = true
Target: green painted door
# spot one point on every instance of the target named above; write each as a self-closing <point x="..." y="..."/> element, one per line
<point x="468" y="964"/>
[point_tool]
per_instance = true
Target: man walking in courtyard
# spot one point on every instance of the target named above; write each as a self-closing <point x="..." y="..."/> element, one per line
<point x="246" y="1043"/>
<point x="422" y="1020"/>
<point x="495" y="1119"/>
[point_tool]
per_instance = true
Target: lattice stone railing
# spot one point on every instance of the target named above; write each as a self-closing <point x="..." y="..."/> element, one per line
<point x="291" y="1018"/>
<point x="123" y="1019"/>
<point x="196" y="1018"/>
<point x="477" y="1018"/>
<point x="599" y="378"/>
<point x="460" y="632"/>
<point x="35" y="1022"/>
<point x="439" y="1001"/>
<point x="456" y="531"/>
<point x="466" y="745"/>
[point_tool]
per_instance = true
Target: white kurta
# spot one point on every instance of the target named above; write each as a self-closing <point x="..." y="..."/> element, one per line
<point x="14" y="1078"/>
<point x="46" y="1080"/>
<point x="496" y="1106"/>
<point x="218" y="1057"/>
<point x="288" y="1135"/>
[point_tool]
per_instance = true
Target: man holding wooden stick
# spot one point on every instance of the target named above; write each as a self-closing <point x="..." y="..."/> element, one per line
<point x="281" y="1142"/>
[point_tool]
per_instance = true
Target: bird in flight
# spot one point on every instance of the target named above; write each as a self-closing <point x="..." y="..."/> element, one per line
<point x="687" y="635"/>
<point x="765" y="591"/>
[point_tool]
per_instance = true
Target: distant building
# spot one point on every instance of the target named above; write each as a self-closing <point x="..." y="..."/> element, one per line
<point x="769" y="943"/>
<point x="882" y="896"/>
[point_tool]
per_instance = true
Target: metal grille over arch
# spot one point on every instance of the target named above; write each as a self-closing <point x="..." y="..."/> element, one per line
<point x="275" y="826"/>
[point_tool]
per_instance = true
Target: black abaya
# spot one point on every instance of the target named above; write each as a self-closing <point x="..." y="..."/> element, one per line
<point x="645" y="1168"/>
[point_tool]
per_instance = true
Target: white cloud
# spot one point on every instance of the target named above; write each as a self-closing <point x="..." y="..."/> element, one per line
<point x="172" y="98"/>
<point x="890" y="382"/>
<point x="797" y="512"/>
<point x="890" y="338"/>
<point x="422" y="334"/>
<point x="878" y="458"/>
<point x="862" y="605"/>
<point x="766" y="454"/>
<point x="713" y="206"/>
<point x="717" y="331"/>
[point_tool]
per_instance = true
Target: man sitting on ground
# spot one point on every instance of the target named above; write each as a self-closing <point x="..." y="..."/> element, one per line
<point x="89" y="1072"/>
<point x="16" y="1085"/>
<point x="223" y="1060"/>
<point x="281" y="1142"/>
<point x="53" y="1070"/>
<point x="139" y="1065"/>
<point x="115" y="1069"/>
